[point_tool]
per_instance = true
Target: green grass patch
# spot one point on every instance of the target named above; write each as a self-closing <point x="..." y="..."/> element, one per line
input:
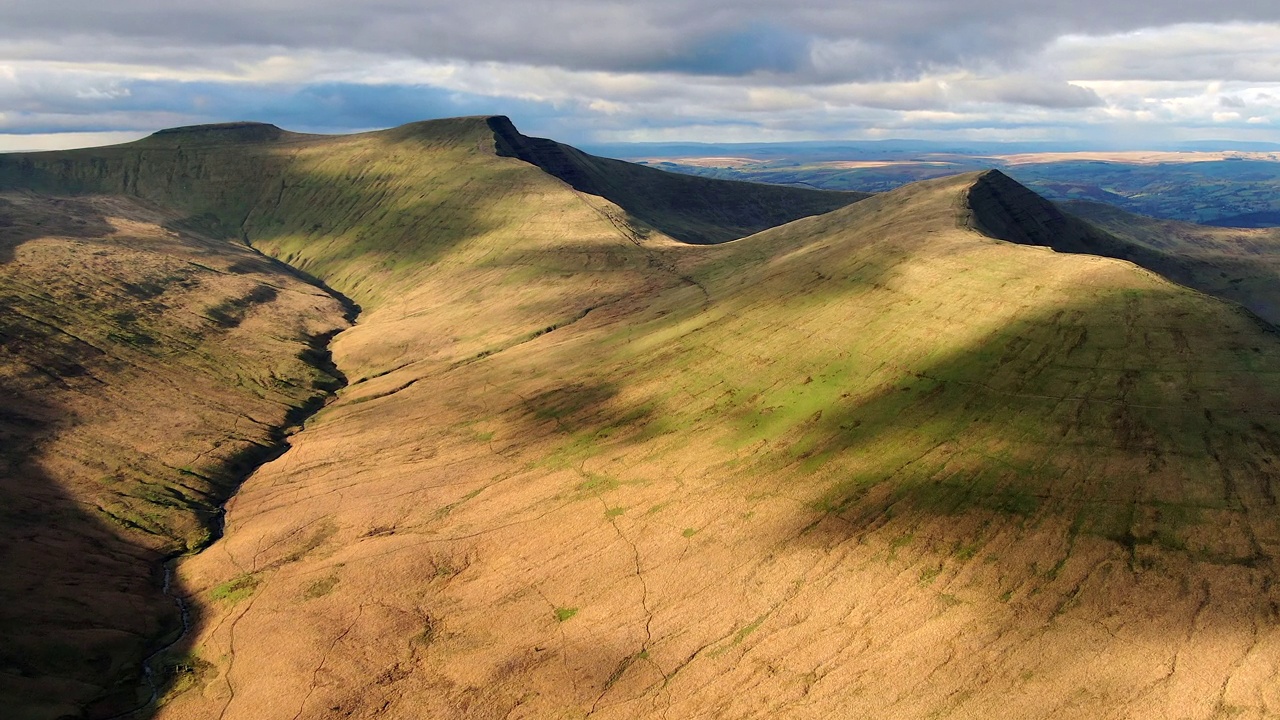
<point x="320" y="588"/>
<point x="742" y="634"/>
<point x="598" y="483"/>
<point x="563" y="614"/>
<point x="966" y="551"/>
<point x="236" y="589"/>
<point x="900" y="542"/>
<point x="182" y="673"/>
<point x="447" y="509"/>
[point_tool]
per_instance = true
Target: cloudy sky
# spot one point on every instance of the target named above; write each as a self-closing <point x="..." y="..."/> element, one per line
<point x="1129" y="72"/>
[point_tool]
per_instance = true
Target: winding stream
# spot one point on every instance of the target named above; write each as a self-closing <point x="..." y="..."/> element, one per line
<point x="148" y="664"/>
<point x="151" y="665"/>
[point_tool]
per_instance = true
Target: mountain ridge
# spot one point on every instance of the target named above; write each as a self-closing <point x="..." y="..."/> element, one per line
<point x="582" y="466"/>
<point x="615" y="180"/>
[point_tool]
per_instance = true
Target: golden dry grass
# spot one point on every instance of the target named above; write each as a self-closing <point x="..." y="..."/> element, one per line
<point x="872" y="463"/>
<point x="926" y="473"/>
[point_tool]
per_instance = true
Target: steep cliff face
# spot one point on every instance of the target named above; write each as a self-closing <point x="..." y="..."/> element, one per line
<point x="1244" y="274"/>
<point x="1004" y="209"/>
<point x="695" y="210"/>
<point x="212" y="175"/>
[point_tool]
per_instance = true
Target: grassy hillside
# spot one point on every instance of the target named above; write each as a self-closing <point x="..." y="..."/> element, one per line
<point x="895" y="460"/>
<point x="150" y="363"/>
<point x="144" y="372"/>
<point x="871" y="463"/>
<point x="360" y="209"/>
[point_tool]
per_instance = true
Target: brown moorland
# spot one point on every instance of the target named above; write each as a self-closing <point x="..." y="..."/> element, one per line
<point x="145" y="371"/>
<point x="149" y="366"/>
<point x="874" y="462"/>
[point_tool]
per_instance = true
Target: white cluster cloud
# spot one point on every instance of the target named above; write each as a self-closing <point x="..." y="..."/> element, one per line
<point x="652" y="69"/>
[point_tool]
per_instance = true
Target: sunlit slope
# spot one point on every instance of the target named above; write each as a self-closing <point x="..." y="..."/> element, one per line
<point x="142" y="373"/>
<point x="452" y="250"/>
<point x="214" y="174"/>
<point x="374" y="215"/>
<point x="1241" y="265"/>
<point x="368" y="211"/>
<point x="867" y="464"/>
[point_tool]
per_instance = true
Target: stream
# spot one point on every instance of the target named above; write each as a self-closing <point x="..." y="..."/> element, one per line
<point x="149" y="664"/>
<point x="151" y="667"/>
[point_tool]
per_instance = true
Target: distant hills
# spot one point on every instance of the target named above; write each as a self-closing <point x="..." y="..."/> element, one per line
<point x="601" y="440"/>
<point x="851" y="149"/>
<point x="1227" y="184"/>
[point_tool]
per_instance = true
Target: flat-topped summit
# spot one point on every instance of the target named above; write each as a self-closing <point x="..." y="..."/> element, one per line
<point x="230" y="132"/>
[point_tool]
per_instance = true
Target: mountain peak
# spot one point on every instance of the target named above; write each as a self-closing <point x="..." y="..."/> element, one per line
<point x="219" y="133"/>
<point x="694" y="210"/>
<point x="1003" y="208"/>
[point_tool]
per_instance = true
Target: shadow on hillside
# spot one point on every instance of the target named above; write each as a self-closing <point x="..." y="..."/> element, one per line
<point x="1123" y="420"/>
<point x="1014" y="213"/>
<point x="80" y="606"/>
<point x="349" y="229"/>
<point x="1142" y="419"/>
<point x="1248" y="282"/>
<point x="58" y="217"/>
<point x="317" y="218"/>
<point x="87" y="515"/>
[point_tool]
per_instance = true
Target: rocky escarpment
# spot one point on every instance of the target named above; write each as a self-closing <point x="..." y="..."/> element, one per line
<point x="1002" y="208"/>
<point x="212" y="173"/>
<point x="695" y="210"/>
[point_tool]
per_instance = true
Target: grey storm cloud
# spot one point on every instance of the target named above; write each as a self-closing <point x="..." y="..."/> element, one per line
<point x="642" y="69"/>
<point x="1034" y="91"/>
<point x="821" y="40"/>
